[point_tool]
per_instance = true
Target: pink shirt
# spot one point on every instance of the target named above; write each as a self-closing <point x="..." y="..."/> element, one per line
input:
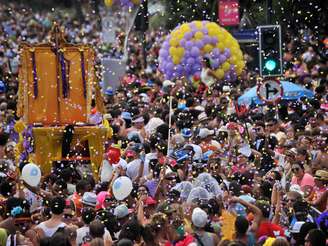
<point x="306" y="180"/>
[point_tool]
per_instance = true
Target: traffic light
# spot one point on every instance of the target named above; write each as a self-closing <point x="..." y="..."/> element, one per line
<point x="270" y="56"/>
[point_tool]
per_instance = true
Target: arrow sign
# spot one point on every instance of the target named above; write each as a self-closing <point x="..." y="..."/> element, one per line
<point x="270" y="91"/>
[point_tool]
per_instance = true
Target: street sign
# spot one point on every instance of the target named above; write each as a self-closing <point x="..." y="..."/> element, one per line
<point x="246" y="35"/>
<point x="270" y="90"/>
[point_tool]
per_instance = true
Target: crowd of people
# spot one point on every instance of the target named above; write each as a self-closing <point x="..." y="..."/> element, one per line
<point x="223" y="174"/>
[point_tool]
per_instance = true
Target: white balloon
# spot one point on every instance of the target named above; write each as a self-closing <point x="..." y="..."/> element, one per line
<point x="122" y="188"/>
<point x="31" y="174"/>
<point x="106" y="171"/>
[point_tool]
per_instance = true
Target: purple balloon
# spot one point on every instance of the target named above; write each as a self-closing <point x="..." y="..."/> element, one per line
<point x="227" y="76"/>
<point x="222" y="58"/>
<point x="200" y="44"/>
<point x="166" y="44"/>
<point x="182" y="42"/>
<point x="169" y="67"/>
<point x="207" y="39"/>
<point x="214" y="40"/>
<point x="179" y="68"/>
<point x="163" y="53"/>
<point x="188" y="69"/>
<point x="188" y="35"/>
<point x="195" y="52"/>
<point x="215" y="64"/>
<point x="205" y="31"/>
<point x="227" y="52"/>
<point x="190" y="61"/>
<point x="189" y="45"/>
<point x="215" y="52"/>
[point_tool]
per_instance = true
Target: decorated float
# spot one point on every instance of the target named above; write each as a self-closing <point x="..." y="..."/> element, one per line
<point x="59" y="122"/>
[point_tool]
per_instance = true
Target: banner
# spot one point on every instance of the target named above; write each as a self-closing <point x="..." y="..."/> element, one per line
<point x="228" y="12"/>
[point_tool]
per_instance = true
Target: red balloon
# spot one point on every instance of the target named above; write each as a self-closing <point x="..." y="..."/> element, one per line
<point x="113" y="155"/>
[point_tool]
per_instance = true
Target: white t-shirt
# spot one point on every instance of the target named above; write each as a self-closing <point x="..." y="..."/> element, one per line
<point x="83" y="235"/>
<point x="132" y="170"/>
<point x="49" y="232"/>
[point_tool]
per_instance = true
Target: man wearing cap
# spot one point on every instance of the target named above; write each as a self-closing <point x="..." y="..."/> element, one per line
<point x="199" y="220"/>
<point x="320" y="196"/>
<point x="89" y="199"/>
<point x="122" y="214"/>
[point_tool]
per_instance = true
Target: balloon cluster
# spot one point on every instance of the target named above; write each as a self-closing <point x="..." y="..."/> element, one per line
<point x="123" y="3"/>
<point x="185" y="47"/>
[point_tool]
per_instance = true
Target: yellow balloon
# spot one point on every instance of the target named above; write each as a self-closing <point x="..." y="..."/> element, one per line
<point x="180" y="52"/>
<point x="198" y="24"/>
<point x="208" y="48"/>
<point x="176" y="60"/>
<point x="239" y="70"/>
<point x="212" y="25"/>
<point x="213" y="32"/>
<point x="173" y="51"/>
<point x="220" y="45"/>
<point x="199" y="35"/>
<point x="219" y="73"/>
<point x="108" y="3"/>
<point x="174" y="42"/>
<point x="136" y="2"/>
<point x="233" y="59"/>
<point x="225" y="66"/>
<point x="185" y="28"/>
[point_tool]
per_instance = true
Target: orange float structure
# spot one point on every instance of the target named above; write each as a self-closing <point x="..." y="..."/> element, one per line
<point x="56" y="84"/>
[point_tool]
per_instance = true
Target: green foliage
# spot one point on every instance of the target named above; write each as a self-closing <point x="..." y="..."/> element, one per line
<point x="179" y="11"/>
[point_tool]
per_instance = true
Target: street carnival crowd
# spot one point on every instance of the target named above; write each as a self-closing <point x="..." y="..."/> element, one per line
<point x="230" y="175"/>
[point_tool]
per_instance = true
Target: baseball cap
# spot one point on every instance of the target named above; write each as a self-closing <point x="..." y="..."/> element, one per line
<point x="199" y="217"/>
<point x="186" y="132"/>
<point x="89" y="198"/>
<point x="126" y="115"/>
<point x="121" y="211"/>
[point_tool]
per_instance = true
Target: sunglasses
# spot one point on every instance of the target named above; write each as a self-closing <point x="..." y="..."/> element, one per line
<point x="171" y="178"/>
